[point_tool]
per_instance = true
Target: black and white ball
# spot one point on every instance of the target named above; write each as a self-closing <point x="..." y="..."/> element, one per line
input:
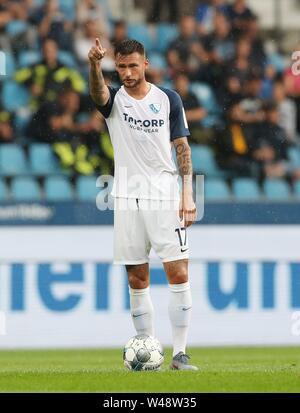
<point x="143" y="352"/>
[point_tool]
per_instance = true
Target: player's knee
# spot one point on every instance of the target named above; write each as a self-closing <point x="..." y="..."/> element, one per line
<point x="179" y="278"/>
<point x="137" y="283"/>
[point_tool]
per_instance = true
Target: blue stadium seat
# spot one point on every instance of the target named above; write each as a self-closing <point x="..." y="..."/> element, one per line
<point x="246" y="189"/>
<point x="66" y="58"/>
<point x="3" y="190"/>
<point x="141" y="33"/>
<point x="25" y="189"/>
<point x="14" y="96"/>
<point x="12" y="160"/>
<point x="157" y="61"/>
<point x="29" y="57"/>
<point x="58" y="188"/>
<point x="276" y="190"/>
<point x="216" y="190"/>
<point x="207" y="99"/>
<point x="42" y="160"/>
<point x="68" y="7"/>
<point x="204" y="162"/>
<point x="165" y="34"/>
<point x="297" y="190"/>
<point x="86" y="188"/>
<point x="16" y="27"/>
<point x="294" y="156"/>
<point x="206" y="95"/>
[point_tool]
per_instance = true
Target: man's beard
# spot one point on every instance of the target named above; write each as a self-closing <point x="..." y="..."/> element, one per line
<point x="132" y="84"/>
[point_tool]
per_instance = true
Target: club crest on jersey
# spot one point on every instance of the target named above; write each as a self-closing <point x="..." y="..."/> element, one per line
<point x="155" y="107"/>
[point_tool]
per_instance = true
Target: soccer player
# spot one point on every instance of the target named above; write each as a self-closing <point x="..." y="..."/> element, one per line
<point x="144" y="121"/>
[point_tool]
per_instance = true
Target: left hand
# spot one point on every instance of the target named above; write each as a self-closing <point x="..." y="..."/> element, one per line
<point x="187" y="210"/>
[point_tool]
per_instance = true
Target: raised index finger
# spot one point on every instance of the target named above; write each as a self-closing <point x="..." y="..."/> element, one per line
<point x="98" y="44"/>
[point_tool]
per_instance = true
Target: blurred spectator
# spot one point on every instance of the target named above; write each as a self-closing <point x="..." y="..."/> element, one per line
<point x="52" y="25"/>
<point x="220" y="49"/>
<point x="170" y="7"/>
<point x="7" y="134"/>
<point x="193" y="110"/>
<point x="287" y="111"/>
<point x="91" y="10"/>
<point x="230" y="93"/>
<point x="249" y="110"/>
<point x="14" y="11"/>
<point x="252" y="35"/>
<point x="76" y="142"/>
<point x="241" y="65"/>
<point x="240" y="15"/>
<point x="234" y="143"/>
<point x="219" y="44"/>
<point x="85" y="39"/>
<point x="271" y="144"/>
<point x="186" y="53"/>
<point x="119" y="33"/>
<point x="205" y="15"/>
<point x="45" y="78"/>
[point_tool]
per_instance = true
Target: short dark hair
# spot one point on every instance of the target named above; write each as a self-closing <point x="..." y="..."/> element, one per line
<point x="129" y="46"/>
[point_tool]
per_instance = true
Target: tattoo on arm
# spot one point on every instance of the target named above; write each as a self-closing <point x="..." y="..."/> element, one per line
<point x="183" y="154"/>
<point x="98" y="89"/>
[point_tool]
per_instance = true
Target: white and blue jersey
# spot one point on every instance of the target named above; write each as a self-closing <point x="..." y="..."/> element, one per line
<point x="141" y="132"/>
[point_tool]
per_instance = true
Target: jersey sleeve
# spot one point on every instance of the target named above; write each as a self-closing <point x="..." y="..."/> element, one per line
<point x="106" y="109"/>
<point x="178" y="123"/>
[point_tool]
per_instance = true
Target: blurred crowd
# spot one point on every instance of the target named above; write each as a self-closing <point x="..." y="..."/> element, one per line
<point x="250" y="120"/>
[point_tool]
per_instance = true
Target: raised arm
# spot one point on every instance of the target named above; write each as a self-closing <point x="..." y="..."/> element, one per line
<point x="98" y="89"/>
<point x="183" y="155"/>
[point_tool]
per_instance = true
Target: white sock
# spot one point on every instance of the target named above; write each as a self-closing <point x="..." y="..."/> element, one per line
<point x="142" y="311"/>
<point x="180" y="309"/>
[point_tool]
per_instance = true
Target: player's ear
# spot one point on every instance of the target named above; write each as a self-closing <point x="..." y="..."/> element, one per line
<point x="146" y="63"/>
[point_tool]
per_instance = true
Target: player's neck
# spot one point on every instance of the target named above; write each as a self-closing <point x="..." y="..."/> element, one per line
<point x="140" y="91"/>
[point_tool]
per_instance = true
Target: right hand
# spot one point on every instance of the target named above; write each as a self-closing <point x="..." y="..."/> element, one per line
<point x="97" y="52"/>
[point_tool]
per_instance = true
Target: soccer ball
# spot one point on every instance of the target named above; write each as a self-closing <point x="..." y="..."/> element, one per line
<point x="143" y="352"/>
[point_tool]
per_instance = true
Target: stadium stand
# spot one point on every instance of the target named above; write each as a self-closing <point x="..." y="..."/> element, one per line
<point x="220" y="55"/>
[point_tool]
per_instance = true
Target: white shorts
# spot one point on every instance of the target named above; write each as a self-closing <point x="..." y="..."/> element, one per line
<point x="142" y="224"/>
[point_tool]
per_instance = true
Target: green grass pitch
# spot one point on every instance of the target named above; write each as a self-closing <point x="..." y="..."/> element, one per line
<point x="253" y="369"/>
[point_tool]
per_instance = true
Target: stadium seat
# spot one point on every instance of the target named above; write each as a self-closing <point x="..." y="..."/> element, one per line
<point x="216" y="190"/>
<point x="14" y="96"/>
<point x="16" y="27"/>
<point x="165" y="33"/>
<point x="3" y="190"/>
<point x="86" y="188"/>
<point x="204" y="162"/>
<point x="12" y="160"/>
<point x="276" y="190"/>
<point x="25" y="189"/>
<point x="141" y="33"/>
<point x="58" y="188"/>
<point x="157" y="61"/>
<point x="29" y="57"/>
<point x="68" y="8"/>
<point x="207" y="99"/>
<point x="294" y="156"/>
<point x="66" y="58"/>
<point x="42" y="160"/>
<point x="246" y="189"/>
